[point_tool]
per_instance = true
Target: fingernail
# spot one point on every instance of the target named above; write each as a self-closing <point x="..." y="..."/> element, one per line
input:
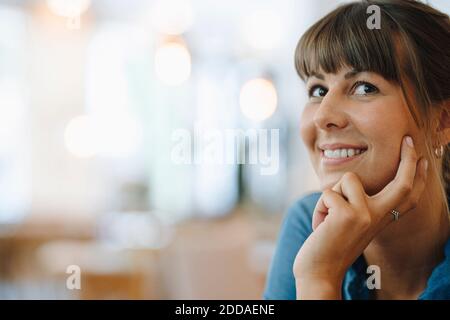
<point x="409" y="141"/>
<point x="425" y="165"/>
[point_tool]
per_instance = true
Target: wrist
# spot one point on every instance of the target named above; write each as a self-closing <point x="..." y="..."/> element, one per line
<point x="318" y="288"/>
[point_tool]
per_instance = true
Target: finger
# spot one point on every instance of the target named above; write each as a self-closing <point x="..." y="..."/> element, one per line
<point x="402" y="184"/>
<point x="416" y="193"/>
<point x="418" y="187"/>
<point x="351" y="188"/>
<point x="329" y="199"/>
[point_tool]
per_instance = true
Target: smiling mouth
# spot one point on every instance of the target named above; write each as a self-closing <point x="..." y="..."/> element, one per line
<point x="342" y="155"/>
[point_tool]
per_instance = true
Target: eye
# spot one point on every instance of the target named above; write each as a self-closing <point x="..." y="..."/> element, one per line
<point x="364" y="89"/>
<point x="317" y="92"/>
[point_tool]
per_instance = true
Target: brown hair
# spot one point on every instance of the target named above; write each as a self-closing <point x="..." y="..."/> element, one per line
<point x="412" y="49"/>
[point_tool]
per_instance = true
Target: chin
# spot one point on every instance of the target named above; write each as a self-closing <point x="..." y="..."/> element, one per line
<point x="370" y="187"/>
<point x="327" y="181"/>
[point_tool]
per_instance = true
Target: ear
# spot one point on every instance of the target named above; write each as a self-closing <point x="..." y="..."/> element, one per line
<point x="444" y="124"/>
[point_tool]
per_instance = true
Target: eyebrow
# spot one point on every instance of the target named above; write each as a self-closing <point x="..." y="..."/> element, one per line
<point x="348" y="75"/>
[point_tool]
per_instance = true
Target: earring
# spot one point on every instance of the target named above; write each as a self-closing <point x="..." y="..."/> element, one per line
<point x="439" y="151"/>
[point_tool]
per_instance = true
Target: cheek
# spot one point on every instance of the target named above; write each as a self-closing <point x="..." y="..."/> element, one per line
<point x="307" y="128"/>
<point x="384" y="131"/>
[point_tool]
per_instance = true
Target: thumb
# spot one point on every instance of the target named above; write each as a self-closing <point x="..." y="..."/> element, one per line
<point x="317" y="218"/>
<point x="320" y="213"/>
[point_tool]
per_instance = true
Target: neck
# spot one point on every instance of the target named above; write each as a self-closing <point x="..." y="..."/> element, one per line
<point x="409" y="249"/>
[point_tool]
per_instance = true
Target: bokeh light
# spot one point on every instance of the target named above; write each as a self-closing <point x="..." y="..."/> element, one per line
<point x="258" y="99"/>
<point x="68" y="8"/>
<point x="79" y="135"/>
<point x="113" y="136"/>
<point x="172" y="63"/>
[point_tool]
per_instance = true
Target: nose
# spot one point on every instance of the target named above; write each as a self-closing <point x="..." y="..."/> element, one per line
<point x="330" y="114"/>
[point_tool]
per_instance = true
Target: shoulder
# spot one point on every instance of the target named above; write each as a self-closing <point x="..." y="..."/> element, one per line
<point x="295" y="229"/>
<point x="438" y="285"/>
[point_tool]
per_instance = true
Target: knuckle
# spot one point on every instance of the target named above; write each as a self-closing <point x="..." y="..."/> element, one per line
<point x="327" y="192"/>
<point x="414" y="157"/>
<point x="350" y="176"/>
<point x="350" y="216"/>
<point x="365" y="221"/>
<point x="360" y="220"/>
<point x="405" y="188"/>
<point x="413" y="203"/>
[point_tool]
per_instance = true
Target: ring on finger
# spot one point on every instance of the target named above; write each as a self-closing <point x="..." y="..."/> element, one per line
<point x="395" y="214"/>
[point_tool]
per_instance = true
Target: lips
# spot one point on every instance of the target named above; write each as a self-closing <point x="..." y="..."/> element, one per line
<point x="338" y="153"/>
<point x="334" y="146"/>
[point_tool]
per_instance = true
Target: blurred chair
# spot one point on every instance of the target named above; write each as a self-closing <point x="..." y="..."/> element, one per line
<point x="106" y="273"/>
<point x="210" y="260"/>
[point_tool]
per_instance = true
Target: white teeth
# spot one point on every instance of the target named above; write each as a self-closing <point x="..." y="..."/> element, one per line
<point x="350" y="152"/>
<point x="341" y="153"/>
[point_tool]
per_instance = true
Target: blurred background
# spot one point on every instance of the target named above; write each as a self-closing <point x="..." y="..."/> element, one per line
<point x="148" y="149"/>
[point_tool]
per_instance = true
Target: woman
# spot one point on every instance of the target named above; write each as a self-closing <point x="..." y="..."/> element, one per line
<point x="377" y="129"/>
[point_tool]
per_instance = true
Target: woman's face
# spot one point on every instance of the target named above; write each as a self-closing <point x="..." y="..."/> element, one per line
<point x="355" y="122"/>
